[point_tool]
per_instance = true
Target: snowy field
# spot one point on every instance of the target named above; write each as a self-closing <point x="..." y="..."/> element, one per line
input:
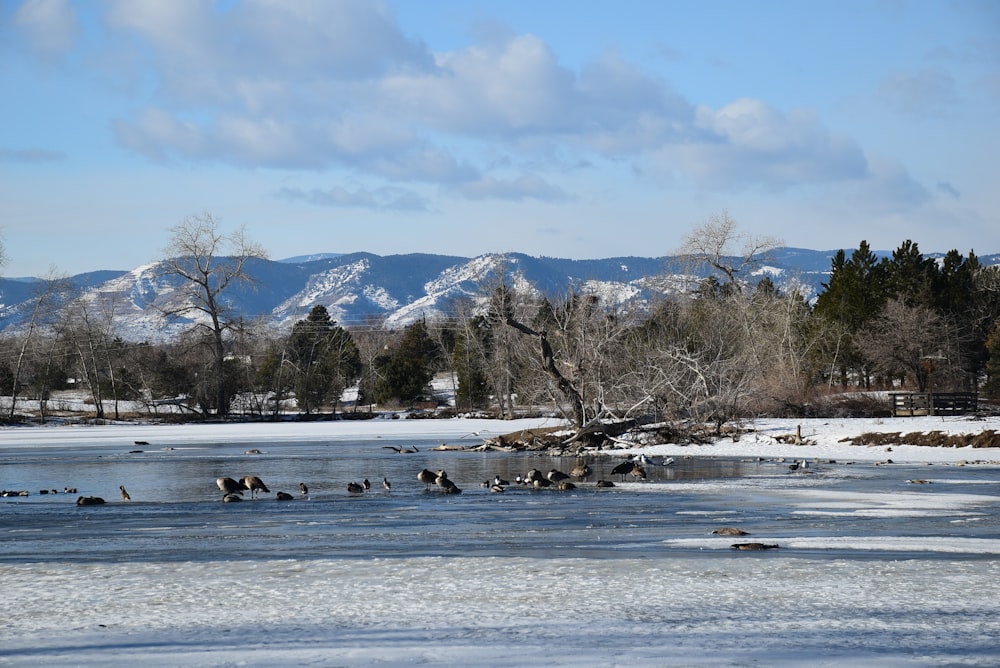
<point x="872" y="569"/>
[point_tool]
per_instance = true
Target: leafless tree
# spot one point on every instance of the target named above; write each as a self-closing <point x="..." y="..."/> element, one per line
<point x="208" y="262"/>
<point x="718" y="243"/>
<point x="909" y="340"/>
<point x="48" y="299"/>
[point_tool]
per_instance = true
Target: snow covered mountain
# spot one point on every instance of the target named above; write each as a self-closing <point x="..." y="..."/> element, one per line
<point x="359" y="287"/>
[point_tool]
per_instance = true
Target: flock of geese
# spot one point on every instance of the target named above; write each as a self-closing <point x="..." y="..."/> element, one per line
<point x="234" y="490"/>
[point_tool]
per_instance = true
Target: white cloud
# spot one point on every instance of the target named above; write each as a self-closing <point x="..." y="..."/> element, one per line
<point x="380" y="199"/>
<point x="749" y="143"/>
<point x="50" y="26"/>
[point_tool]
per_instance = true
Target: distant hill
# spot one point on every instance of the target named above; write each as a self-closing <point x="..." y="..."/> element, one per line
<point x="357" y="287"/>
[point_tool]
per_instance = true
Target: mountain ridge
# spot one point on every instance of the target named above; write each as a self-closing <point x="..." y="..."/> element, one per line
<point x="399" y="289"/>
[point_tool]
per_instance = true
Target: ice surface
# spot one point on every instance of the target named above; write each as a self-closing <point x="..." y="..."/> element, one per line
<point x="871" y="570"/>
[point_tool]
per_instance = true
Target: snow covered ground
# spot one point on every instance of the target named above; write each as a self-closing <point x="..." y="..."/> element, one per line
<point x="837" y="596"/>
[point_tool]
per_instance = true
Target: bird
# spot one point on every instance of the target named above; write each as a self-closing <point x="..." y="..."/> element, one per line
<point x="623" y="469"/>
<point x="556" y="476"/>
<point x="497" y="488"/>
<point x="402" y="450"/>
<point x="565" y="486"/>
<point x="386" y="484"/>
<point x="445" y="483"/>
<point x="366" y="484"/>
<point x="254" y="484"/>
<point x="283" y="496"/>
<point x="731" y="531"/>
<point x="581" y="471"/>
<point x="427" y="477"/>
<point x="638" y="472"/>
<point x="497" y="480"/>
<point x="355" y="488"/>
<point x="89" y="501"/>
<point x="605" y="483"/>
<point x="539" y="483"/>
<point x="753" y="546"/>
<point x="533" y="475"/>
<point x="303" y="489"/>
<point x="230" y="486"/>
<point x="232" y="497"/>
<point x="125" y="494"/>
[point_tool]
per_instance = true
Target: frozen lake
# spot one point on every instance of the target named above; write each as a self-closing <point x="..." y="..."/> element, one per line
<point x="871" y="568"/>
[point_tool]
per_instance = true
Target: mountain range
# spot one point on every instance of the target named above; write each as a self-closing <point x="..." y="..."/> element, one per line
<point x="358" y="288"/>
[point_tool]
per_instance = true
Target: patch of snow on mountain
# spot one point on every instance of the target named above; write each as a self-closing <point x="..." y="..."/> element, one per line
<point x="611" y="292"/>
<point x="325" y="287"/>
<point x="380" y="297"/>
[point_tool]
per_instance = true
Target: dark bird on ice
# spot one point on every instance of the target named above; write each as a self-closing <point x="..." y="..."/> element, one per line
<point x="254" y="484"/>
<point x="355" y="488"/>
<point x="556" y="476"/>
<point x="427" y="477"/>
<point x="386" y="484"/>
<point x="366" y="484"/>
<point x="303" y="489"/>
<point x="230" y="486"/>
<point x="623" y="469"/>
<point x="284" y="496"/>
<point x="89" y="501"/>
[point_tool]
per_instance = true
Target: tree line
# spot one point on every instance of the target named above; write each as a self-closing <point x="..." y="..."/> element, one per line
<point x="730" y="346"/>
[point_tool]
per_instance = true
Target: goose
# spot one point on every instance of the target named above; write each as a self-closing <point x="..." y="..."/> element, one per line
<point x="284" y="496"/>
<point x="232" y="497"/>
<point x="556" y="476"/>
<point x="230" y="486"/>
<point x="605" y="483"/>
<point x="427" y="477"/>
<point x="731" y="531"/>
<point x="581" y="472"/>
<point x="89" y="501"/>
<point x="533" y="475"/>
<point x="565" y="486"/>
<point x="254" y="484"/>
<point x="355" y="488"/>
<point x="753" y="546"/>
<point x="539" y="483"/>
<point x="125" y="494"/>
<point x="402" y="450"/>
<point x="623" y="469"/>
<point x="638" y="472"/>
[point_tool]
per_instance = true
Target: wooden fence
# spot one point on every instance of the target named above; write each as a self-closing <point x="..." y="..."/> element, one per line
<point x="905" y="404"/>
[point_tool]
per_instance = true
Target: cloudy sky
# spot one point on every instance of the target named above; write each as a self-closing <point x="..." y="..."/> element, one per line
<point x="561" y="128"/>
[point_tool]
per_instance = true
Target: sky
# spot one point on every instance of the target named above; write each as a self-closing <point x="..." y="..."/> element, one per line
<point x="462" y="127"/>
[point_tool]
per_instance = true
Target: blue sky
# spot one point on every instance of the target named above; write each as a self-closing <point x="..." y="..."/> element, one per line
<point x="568" y="129"/>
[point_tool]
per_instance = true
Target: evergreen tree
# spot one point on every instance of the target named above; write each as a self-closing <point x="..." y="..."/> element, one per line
<point x="853" y="297"/>
<point x="324" y="357"/>
<point x="403" y="373"/>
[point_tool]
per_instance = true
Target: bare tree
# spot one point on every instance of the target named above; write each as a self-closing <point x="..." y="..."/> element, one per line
<point x="48" y="299"/>
<point x="209" y="262"/>
<point x="908" y="340"/>
<point x="718" y="243"/>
